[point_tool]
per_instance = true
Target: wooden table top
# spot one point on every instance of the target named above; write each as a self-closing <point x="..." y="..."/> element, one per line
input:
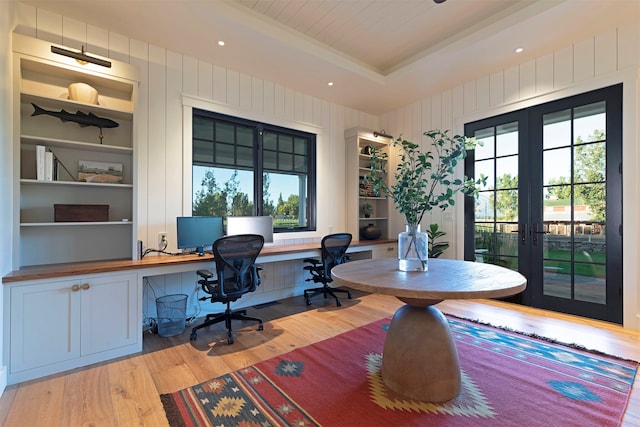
<point x="91" y="267"/>
<point x="445" y="279"/>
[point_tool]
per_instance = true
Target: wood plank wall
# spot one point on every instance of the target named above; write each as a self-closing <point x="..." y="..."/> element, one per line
<point x="601" y="60"/>
<point x="572" y="67"/>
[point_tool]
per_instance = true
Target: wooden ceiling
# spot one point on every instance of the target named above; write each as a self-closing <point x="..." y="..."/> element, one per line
<point x="380" y="54"/>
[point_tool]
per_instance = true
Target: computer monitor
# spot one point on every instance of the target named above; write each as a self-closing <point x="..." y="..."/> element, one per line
<point x="196" y="234"/>
<point x="262" y="225"/>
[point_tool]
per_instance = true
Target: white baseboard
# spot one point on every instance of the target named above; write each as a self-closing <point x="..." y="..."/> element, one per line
<point x="3" y="379"/>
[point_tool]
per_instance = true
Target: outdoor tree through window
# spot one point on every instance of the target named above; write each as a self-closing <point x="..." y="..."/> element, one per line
<point x="245" y="168"/>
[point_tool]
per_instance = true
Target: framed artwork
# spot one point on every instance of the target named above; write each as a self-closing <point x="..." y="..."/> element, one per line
<point x="100" y="172"/>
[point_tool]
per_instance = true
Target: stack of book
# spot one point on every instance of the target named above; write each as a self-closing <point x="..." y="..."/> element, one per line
<point x="46" y="164"/>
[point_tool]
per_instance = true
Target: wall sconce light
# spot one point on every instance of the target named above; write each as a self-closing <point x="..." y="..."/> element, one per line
<point x="381" y="132"/>
<point x="81" y="56"/>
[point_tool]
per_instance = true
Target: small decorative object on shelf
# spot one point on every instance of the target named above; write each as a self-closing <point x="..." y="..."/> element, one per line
<point x="366" y="210"/>
<point x="100" y="172"/>
<point x="81" y="213"/>
<point x="370" y="232"/>
<point x="367" y="149"/>
<point x="82" y="119"/>
<point x="422" y="182"/>
<point x="82" y="92"/>
<point x="366" y="188"/>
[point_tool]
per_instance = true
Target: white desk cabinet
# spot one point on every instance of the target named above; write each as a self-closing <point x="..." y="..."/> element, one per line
<point x="389" y="250"/>
<point x="58" y="325"/>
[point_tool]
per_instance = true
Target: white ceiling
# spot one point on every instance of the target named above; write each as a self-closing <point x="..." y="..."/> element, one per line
<point x="380" y="54"/>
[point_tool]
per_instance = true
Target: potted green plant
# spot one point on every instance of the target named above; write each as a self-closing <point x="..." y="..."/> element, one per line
<point x="436" y="247"/>
<point x="422" y="181"/>
<point x="366" y="210"/>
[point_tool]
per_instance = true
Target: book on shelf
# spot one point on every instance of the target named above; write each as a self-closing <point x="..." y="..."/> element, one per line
<point x="48" y="166"/>
<point x="56" y="167"/>
<point x="40" y="162"/>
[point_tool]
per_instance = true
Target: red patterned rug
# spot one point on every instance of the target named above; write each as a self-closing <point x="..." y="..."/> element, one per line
<point x="508" y="379"/>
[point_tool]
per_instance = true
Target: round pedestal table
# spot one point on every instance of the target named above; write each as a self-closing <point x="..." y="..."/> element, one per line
<point x="420" y="359"/>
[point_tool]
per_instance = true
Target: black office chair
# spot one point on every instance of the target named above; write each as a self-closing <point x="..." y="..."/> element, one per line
<point x="237" y="274"/>
<point x="334" y="248"/>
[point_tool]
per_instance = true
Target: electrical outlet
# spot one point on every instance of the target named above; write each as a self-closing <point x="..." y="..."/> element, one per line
<point x="162" y="239"/>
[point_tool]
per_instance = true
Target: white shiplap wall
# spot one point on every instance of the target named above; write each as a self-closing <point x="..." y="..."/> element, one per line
<point x="599" y="61"/>
<point x="165" y="78"/>
<point x="606" y="58"/>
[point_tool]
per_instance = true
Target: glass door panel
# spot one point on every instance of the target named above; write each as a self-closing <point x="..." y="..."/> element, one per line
<point x="496" y="209"/>
<point x="552" y="204"/>
<point x="574" y="185"/>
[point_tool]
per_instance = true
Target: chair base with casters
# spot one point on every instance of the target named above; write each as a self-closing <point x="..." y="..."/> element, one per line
<point x="226" y="317"/>
<point x="327" y="291"/>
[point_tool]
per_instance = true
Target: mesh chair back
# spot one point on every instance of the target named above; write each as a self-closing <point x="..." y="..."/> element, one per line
<point x="334" y="250"/>
<point x="235" y="258"/>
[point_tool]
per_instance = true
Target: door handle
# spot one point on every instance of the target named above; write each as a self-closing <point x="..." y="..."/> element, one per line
<point x="523" y="233"/>
<point x="536" y="232"/>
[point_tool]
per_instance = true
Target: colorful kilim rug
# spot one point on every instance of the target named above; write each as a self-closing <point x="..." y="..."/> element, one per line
<point x="508" y="379"/>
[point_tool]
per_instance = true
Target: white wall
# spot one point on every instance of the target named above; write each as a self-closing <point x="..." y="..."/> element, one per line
<point x="6" y="156"/>
<point x="598" y="61"/>
<point x="165" y="77"/>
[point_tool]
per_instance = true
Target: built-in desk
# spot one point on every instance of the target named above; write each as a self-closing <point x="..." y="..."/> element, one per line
<point x="168" y="264"/>
<point x="63" y="316"/>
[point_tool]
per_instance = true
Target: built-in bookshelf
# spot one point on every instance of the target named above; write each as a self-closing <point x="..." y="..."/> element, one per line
<point x="65" y="162"/>
<point x="364" y="206"/>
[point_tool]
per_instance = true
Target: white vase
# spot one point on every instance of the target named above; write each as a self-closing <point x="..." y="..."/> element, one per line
<point x="413" y="254"/>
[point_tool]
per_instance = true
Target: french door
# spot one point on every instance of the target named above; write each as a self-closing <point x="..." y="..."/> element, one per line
<point x="552" y="204"/>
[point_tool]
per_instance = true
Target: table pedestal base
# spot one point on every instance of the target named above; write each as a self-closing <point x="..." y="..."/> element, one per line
<point x="420" y="360"/>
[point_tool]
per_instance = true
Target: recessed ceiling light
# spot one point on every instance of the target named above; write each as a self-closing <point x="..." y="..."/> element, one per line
<point x="520" y="49"/>
<point x="330" y="83"/>
<point x="220" y="42"/>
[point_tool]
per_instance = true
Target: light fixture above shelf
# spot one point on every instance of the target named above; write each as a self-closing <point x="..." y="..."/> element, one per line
<point x="81" y="56"/>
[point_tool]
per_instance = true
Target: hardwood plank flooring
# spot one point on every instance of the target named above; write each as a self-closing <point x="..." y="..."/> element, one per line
<point x="125" y="392"/>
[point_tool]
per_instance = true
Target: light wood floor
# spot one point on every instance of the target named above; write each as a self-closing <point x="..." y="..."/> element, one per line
<point x="125" y="392"/>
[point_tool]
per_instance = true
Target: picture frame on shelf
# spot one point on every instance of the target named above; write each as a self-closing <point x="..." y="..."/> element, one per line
<point x="99" y="172"/>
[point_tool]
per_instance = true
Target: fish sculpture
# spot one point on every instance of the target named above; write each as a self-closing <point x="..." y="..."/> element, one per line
<point x="83" y="119"/>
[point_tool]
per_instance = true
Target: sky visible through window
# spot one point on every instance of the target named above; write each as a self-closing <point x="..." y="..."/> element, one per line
<point x="556" y="165"/>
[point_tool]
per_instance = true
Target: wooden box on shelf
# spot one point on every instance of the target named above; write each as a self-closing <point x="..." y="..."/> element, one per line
<point x="81" y="213"/>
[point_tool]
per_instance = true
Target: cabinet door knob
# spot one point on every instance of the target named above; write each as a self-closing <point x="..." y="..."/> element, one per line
<point x="85" y="286"/>
<point x="75" y="288"/>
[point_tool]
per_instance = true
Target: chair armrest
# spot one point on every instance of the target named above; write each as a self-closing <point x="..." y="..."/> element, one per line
<point x="313" y="261"/>
<point x="205" y="274"/>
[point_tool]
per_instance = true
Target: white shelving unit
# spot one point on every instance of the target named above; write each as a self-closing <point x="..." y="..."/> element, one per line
<point x="358" y="165"/>
<point x="42" y="78"/>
